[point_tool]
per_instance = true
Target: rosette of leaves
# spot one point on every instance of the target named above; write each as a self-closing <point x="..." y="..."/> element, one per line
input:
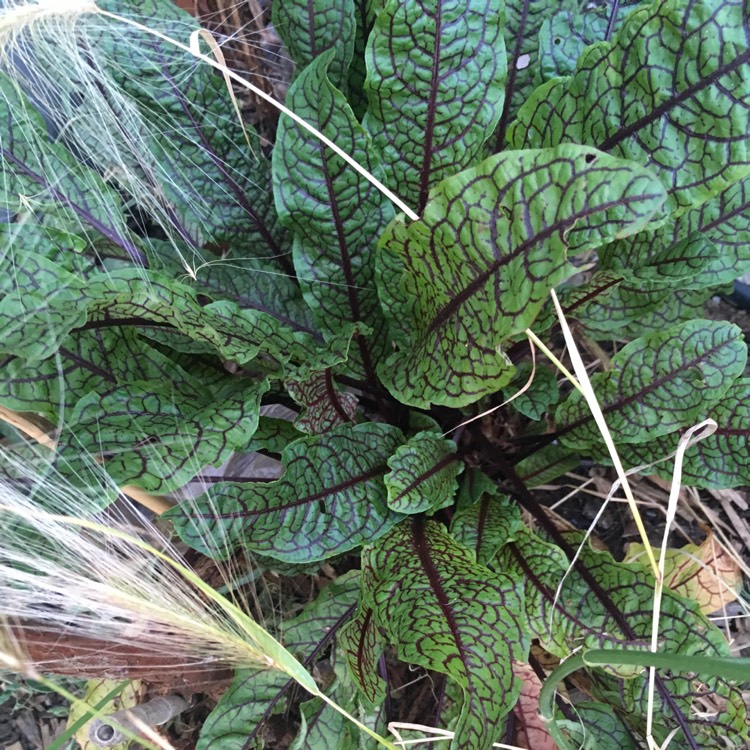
<point x="614" y="167"/>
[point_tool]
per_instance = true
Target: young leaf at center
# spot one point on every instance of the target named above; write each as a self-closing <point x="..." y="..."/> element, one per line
<point x="422" y="474"/>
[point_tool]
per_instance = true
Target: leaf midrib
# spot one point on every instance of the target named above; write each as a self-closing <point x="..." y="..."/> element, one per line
<point x="510" y="86"/>
<point x="422" y="548"/>
<point x="346" y="263"/>
<point x="724" y="217"/>
<point x="108" y="231"/>
<point x="425" y="172"/>
<point x="628" y="130"/>
<point x="657" y="383"/>
<point x="451" y="308"/>
<point x="235" y="188"/>
<point x="340" y="487"/>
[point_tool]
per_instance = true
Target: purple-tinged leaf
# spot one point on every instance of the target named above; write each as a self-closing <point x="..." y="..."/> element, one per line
<point x="362" y="646"/>
<point x="486" y="525"/>
<point x="325" y="405"/>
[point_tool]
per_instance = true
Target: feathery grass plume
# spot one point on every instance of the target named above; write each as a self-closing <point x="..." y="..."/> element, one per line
<point x="108" y="95"/>
<point x="123" y="91"/>
<point x="67" y="569"/>
<point x="107" y="592"/>
<point x="36" y="38"/>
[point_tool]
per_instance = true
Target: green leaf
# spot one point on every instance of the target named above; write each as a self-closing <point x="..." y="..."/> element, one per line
<point x="309" y="29"/>
<point x="435" y="80"/>
<point x="362" y="645"/>
<point x="158" y="435"/>
<point x="336" y="215"/>
<point x="564" y="621"/>
<point x="364" y="13"/>
<point x="63" y="247"/>
<point x="137" y="297"/>
<point x="720" y="460"/>
<point x="659" y="383"/>
<point x="38" y="175"/>
<point x="422" y="476"/>
<point x="500" y="234"/>
<point x="635" y="311"/>
<point x="545" y="465"/>
<point x="251" y="282"/>
<point x="607" y="305"/>
<point x="538" y="397"/>
<point x="486" y="525"/>
<point x="524" y="20"/>
<point x="575" y="300"/>
<point x="446" y="613"/>
<point x="38" y="307"/>
<point x="87" y="362"/>
<point x="644" y="258"/>
<point x="255" y="695"/>
<point x="474" y="486"/>
<point x="564" y="36"/>
<point x="272" y="435"/>
<point x="667" y="93"/>
<point x="325" y="405"/>
<point x="330" y="499"/>
<point x="321" y="723"/>
<point x="716" y="234"/>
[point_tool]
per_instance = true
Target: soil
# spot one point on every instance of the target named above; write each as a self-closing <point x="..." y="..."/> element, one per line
<point x="31" y="724"/>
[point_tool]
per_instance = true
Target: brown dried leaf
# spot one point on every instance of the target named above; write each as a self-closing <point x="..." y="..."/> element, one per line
<point x="707" y="574"/>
